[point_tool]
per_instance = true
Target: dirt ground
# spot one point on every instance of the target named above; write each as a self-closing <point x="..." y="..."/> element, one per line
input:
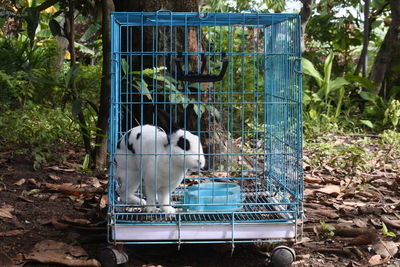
<point x="62" y="203"/>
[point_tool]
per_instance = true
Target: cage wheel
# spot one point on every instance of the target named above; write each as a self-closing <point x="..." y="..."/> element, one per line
<point x="109" y="256"/>
<point x="282" y="256"/>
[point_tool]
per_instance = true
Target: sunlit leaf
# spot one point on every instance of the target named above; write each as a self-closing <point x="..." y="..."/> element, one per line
<point x="309" y="69"/>
<point x="90" y="32"/>
<point x="124" y="65"/>
<point x="338" y="83"/>
<point x="367" y="123"/>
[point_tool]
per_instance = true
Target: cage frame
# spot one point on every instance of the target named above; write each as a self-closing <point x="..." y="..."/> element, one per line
<point x="122" y="228"/>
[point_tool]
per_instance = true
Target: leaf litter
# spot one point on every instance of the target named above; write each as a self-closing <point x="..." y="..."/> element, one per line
<point x="362" y="198"/>
<point x="351" y="201"/>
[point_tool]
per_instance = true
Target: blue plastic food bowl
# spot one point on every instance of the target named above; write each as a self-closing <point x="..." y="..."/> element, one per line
<point x="213" y="196"/>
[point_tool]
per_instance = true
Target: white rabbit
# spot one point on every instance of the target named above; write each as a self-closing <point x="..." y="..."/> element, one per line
<point x="147" y="154"/>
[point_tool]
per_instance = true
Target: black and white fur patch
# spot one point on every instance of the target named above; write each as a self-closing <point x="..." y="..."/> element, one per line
<point x="183" y="143"/>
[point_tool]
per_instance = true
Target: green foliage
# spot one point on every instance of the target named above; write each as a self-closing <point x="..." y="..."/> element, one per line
<point x="38" y="131"/>
<point x="392" y="113"/>
<point x="378" y="111"/>
<point x="386" y="232"/>
<point x="243" y="5"/>
<point x="17" y="55"/>
<point x="346" y="157"/>
<point x="327" y="93"/>
<point x="328" y="230"/>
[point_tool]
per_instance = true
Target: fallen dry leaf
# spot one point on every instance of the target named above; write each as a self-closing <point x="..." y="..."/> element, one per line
<point x="386" y="248"/>
<point x="325" y="213"/>
<point x="360" y="222"/>
<point x="103" y="201"/>
<point x="312" y="180"/>
<point x="354" y="204"/>
<point x="94" y="182"/>
<point x="20" y="182"/>
<point x="33" y="181"/>
<point x="25" y="199"/>
<point x="5" y="211"/>
<point x="53" y="252"/>
<point x="377" y="259"/>
<point x="58" y="225"/>
<point x="330" y="189"/>
<point x="74" y="190"/>
<point x="393" y="223"/>
<point x="75" y="221"/>
<point x="54" y="177"/>
<point x="13" y="233"/>
<point x="56" y="168"/>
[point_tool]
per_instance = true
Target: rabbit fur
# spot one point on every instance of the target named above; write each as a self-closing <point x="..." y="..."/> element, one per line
<point x="148" y="157"/>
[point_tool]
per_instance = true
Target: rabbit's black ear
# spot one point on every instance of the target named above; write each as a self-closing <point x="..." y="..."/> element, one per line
<point x="187" y="116"/>
<point x="164" y="120"/>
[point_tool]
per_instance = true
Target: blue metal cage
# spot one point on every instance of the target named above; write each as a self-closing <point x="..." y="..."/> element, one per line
<point x="232" y="79"/>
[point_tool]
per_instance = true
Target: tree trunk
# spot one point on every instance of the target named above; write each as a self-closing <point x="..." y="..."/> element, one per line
<point x="388" y="51"/>
<point x="305" y="15"/>
<point x="216" y="142"/>
<point x="362" y="62"/>
<point x="130" y="42"/>
<point x="100" y="152"/>
<point x="81" y="118"/>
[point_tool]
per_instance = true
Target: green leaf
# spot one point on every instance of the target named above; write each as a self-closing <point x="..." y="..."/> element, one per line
<point x="31" y="192"/>
<point x="338" y="83"/>
<point x="199" y="108"/>
<point x="84" y="49"/>
<point x="369" y="97"/>
<point x="327" y="75"/>
<point x="394" y="91"/>
<point x="213" y="111"/>
<point x="125" y="66"/>
<point x="367" y="123"/>
<point x="177" y="98"/>
<point x="2" y="21"/>
<point x="76" y="108"/>
<point x="309" y="69"/>
<point x="71" y="75"/>
<point x="327" y="227"/>
<point x="32" y="20"/>
<point x="386" y="232"/>
<point x="313" y="114"/>
<point x="90" y="32"/>
<point x="86" y="162"/>
<point x="143" y="88"/>
<point x="364" y="82"/>
<point x="340" y="101"/>
<point x="55" y="27"/>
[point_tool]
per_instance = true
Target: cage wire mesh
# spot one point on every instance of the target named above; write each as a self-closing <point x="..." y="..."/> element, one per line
<point x="232" y="80"/>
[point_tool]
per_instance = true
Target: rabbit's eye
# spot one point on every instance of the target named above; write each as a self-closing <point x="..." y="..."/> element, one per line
<point x="183" y="143"/>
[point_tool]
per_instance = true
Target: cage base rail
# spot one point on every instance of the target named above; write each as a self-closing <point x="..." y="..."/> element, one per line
<point x="202" y="232"/>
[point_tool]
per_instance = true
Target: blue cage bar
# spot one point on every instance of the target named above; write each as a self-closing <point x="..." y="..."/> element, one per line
<point x="240" y="74"/>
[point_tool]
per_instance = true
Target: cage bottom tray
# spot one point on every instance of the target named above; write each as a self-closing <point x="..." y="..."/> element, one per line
<point x="262" y="217"/>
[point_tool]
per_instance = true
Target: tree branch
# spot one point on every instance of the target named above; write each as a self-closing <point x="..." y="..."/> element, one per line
<point x="364" y="52"/>
<point x="305" y="14"/>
